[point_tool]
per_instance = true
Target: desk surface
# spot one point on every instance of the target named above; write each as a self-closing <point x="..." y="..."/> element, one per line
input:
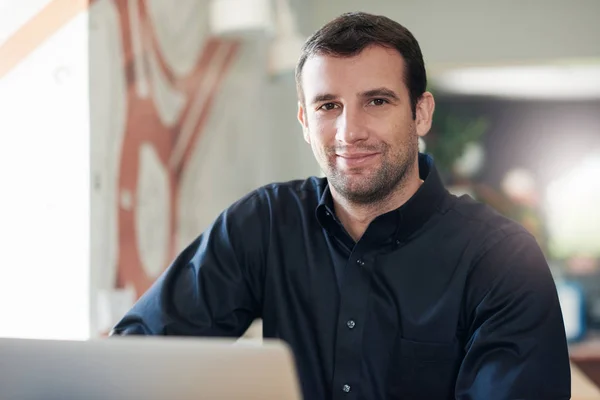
<point x="586" y="356"/>
<point x="582" y="388"/>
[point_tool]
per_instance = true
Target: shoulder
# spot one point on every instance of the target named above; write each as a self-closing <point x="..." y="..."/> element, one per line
<point x="506" y="256"/>
<point x="486" y="227"/>
<point x="301" y="192"/>
<point x="309" y="189"/>
<point x="276" y="199"/>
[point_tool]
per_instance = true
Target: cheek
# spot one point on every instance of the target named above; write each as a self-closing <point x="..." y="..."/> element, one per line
<point x="319" y="145"/>
<point x="321" y="148"/>
<point x="397" y="131"/>
<point x="322" y="132"/>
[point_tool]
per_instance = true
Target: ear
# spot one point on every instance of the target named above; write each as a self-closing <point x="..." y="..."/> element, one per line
<point x="424" y="113"/>
<point x="303" y="122"/>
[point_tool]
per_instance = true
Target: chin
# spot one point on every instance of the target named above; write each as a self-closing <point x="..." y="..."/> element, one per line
<point x="356" y="190"/>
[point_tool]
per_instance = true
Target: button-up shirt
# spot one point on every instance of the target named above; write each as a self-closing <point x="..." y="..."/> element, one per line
<point x="441" y="298"/>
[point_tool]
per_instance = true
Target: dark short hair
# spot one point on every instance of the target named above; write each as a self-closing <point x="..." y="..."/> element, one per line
<point x="350" y="33"/>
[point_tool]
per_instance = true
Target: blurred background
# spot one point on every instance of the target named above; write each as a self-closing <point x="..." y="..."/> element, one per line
<point x="128" y="125"/>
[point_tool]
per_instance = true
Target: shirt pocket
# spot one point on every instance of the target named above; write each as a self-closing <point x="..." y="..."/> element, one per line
<point x="422" y="370"/>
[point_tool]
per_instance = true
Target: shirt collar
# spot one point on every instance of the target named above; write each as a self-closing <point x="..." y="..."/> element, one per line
<point x="400" y="223"/>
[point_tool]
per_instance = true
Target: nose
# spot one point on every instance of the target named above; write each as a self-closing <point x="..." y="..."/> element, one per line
<point x="351" y="127"/>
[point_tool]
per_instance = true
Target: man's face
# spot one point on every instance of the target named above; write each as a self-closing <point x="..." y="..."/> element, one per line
<point x="358" y="121"/>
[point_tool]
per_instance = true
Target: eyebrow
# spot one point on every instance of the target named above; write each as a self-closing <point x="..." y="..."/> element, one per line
<point x="323" y="97"/>
<point x="378" y="92"/>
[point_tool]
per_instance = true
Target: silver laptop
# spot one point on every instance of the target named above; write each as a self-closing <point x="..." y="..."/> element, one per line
<point x="146" y="368"/>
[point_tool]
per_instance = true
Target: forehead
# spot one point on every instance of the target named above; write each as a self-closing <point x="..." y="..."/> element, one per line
<point x="374" y="67"/>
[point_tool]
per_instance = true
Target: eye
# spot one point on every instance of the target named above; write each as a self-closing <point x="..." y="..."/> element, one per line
<point x="328" y="106"/>
<point x="378" y="102"/>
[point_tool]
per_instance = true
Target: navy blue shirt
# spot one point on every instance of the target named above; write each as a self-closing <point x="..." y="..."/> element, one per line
<point x="442" y="298"/>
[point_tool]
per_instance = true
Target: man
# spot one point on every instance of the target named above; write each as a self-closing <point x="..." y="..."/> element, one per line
<point x="384" y="284"/>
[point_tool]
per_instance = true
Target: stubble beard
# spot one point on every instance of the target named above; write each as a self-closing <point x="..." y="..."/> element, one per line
<point x="391" y="176"/>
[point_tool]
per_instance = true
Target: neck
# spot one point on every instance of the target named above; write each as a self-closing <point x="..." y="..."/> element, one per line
<point x="356" y="217"/>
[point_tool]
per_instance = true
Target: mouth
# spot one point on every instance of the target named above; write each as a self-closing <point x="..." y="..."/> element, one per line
<point x="355" y="159"/>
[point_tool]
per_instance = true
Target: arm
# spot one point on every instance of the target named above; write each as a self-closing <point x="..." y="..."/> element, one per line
<point x="516" y="347"/>
<point x="214" y="287"/>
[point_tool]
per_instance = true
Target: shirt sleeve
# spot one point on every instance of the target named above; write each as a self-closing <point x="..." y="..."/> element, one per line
<point x="516" y="346"/>
<point x="213" y="287"/>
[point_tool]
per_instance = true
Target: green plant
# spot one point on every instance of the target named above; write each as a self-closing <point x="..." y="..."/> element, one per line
<point x="449" y="135"/>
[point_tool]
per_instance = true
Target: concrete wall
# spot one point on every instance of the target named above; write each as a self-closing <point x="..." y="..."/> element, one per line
<point x="182" y="124"/>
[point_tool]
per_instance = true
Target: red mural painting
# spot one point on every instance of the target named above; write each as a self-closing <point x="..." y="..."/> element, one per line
<point x="173" y="144"/>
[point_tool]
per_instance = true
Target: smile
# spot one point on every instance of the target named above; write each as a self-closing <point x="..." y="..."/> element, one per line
<point x="355" y="160"/>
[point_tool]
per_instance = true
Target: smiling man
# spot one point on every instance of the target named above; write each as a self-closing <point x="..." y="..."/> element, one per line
<point x="359" y="118"/>
<point x="384" y="284"/>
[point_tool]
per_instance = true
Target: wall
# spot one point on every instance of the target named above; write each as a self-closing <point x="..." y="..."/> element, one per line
<point x="44" y="171"/>
<point x="183" y="124"/>
<point x="472" y="32"/>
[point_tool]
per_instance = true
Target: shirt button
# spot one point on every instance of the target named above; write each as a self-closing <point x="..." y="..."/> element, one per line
<point x="351" y="324"/>
<point x="346" y="388"/>
<point x="360" y="262"/>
